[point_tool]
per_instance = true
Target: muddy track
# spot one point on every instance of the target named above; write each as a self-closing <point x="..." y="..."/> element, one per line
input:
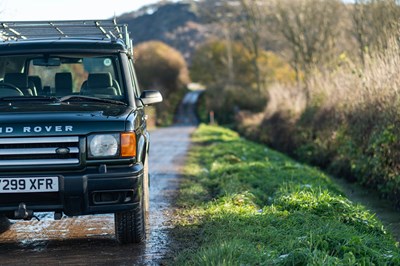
<point x="90" y="239"/>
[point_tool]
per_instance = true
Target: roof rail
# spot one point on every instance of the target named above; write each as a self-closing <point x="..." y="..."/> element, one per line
<point x="86" y="29"/>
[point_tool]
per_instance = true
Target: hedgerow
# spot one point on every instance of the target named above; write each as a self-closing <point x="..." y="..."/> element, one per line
<point x="349" y="125"/>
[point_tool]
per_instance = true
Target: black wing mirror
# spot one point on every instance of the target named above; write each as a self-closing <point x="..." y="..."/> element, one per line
<point x="149" y="97"/>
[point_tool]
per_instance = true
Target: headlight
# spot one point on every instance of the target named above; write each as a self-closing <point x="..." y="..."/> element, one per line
<point x="106" y="145"/>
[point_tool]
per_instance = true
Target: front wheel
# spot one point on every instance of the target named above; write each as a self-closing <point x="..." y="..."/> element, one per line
<point x="130" y="226"/>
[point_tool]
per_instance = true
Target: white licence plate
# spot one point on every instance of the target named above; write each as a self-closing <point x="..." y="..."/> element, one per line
<point x="28" y="184"/>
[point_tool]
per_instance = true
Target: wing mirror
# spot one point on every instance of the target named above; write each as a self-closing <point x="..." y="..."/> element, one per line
<point x="149" y="97"/>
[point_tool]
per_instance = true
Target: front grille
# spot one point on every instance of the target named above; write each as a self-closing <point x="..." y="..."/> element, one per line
<point x="39" y="151"/>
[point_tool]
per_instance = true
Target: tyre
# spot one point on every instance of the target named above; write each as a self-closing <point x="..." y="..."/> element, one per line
<point x="4" y="224"/>
<point x="130" y="226"/>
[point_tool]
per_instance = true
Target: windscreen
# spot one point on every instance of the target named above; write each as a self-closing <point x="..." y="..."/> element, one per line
<point x="58" y="75"/>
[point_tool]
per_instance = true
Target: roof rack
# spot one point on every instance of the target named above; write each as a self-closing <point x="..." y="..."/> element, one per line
<point x="85" y="29"/>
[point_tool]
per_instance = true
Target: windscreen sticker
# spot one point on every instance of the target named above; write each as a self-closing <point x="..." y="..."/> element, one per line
<point x="107" y="62"/>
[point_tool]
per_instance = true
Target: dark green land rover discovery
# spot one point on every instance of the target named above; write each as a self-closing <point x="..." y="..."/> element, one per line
<point x="73" y="135"/>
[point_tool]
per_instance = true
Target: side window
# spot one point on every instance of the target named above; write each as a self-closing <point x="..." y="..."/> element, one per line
<point x="135" y="84"/>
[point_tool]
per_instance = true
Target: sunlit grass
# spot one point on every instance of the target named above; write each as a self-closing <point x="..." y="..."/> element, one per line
<point x="249" y="205"/>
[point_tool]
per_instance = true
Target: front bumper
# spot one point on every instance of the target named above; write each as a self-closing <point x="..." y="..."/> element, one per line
<point x="94" y="190"/>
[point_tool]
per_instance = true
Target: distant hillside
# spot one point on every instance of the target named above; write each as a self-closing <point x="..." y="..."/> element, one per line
<point x="173" y="23"/>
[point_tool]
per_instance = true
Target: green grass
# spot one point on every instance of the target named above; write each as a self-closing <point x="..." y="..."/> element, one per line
<point x="244" y="204"/>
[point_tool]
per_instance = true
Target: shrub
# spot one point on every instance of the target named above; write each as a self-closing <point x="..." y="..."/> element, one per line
<point x="163" y="68"/>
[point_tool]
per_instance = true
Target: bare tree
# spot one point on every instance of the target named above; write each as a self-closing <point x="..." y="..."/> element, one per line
<point x="252" y="17"/>
<point x="309" y="29"/>
<point x="240" y="21"/>
<point x="223" y="14"/>
<point x="374" y="23"/>
<point x="360" y="30"/>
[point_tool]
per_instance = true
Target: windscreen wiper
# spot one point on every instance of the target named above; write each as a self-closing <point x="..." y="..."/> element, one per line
<point x="29" y="98"/>
<point x="70" y="98"/>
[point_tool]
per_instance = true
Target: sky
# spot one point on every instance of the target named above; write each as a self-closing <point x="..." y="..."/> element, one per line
<point x="23" y="10"/>
<point x="26" y="10"/>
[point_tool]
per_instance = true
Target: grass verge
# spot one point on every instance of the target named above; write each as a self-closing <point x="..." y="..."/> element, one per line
<point x="244" y="204"/>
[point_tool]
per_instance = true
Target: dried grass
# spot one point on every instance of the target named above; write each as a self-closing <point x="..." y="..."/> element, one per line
<point x="351" y="88"/>
<point x="283" y="99"/>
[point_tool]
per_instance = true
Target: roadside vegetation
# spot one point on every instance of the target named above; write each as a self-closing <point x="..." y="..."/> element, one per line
<point x="316" y="79"/>
<point x="349" y="126"/>
<point x="245" y="204"/>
